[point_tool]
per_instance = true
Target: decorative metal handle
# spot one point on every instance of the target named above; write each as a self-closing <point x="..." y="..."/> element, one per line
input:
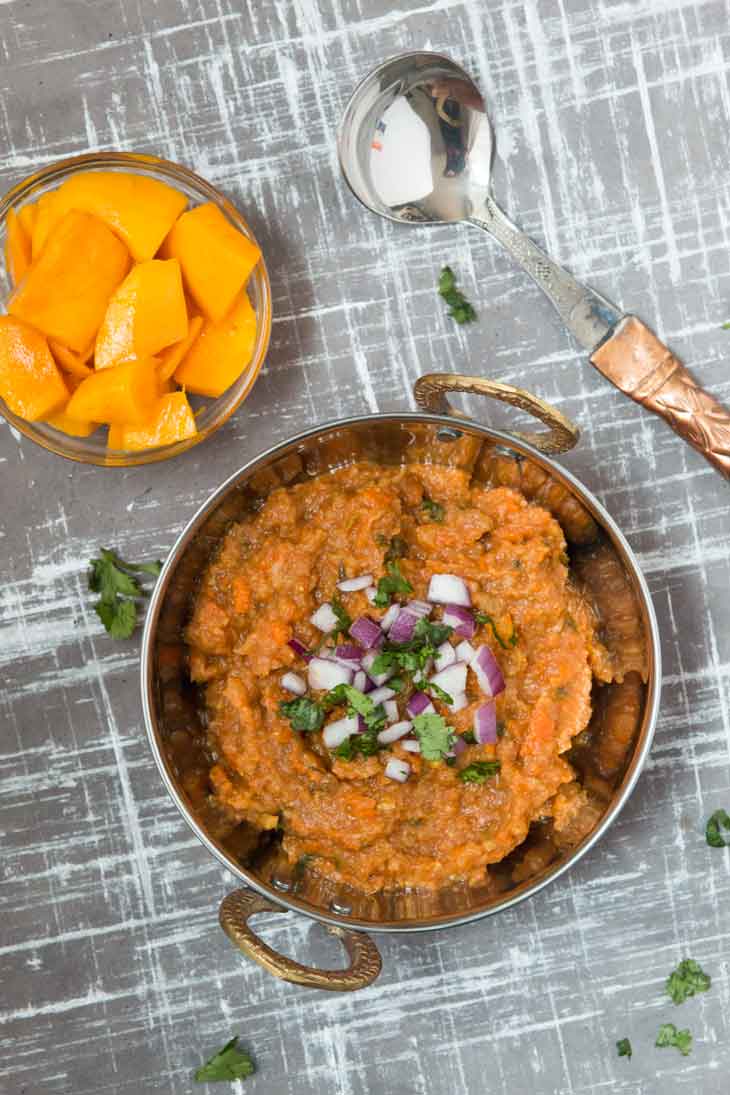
<point x="365" y="963"/>
<point x="638" y="363"/>
<point x="430" y="392"/>
<point x="586" y="314"/>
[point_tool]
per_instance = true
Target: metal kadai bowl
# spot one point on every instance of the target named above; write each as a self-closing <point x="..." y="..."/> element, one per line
<point x="173" y="707"/>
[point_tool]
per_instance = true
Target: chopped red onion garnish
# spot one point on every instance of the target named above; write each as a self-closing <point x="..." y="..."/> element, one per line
<point x="465" y="652"/>
<point x="380" y="695"/>
<point x="411" y="746"/>
<point x="292" y="682"/>
<point x="459" y="746"/>
<point x="397" y="769"/>
<point x="419" y="704"/>
<point x="445" y="656"/>
<point x="391" y="711"/>
<point x="460" y="701"/>
<point x="452" y="679"/>
<point x="348" y="652"/>
<point x="324" y="674"/>
<point x="353" y="585"/>
<point x="336" y="732"/>
<point x="402" y="630"/>
<point x="324" y="619"/>
<point x="485" y="724"/>
<point x="447" y="589"/>
<point x="390" y="617"/>
<point x="300" y="649"/>
<point x="461" y="619"/>
<point x="420" y="608"/>
<point x="367" y="632"/>
<point x="378" y="678"/>
<point x="361" y="681"/>
<point x="488" y="672"/>
<point x="371" y="593"/>
<point x="394" y="732"/>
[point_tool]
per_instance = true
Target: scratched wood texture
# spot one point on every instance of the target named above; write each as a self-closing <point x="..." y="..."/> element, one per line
<point x="612" y="124"/>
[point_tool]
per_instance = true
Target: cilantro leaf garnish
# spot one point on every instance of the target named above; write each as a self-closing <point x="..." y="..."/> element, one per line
<point x="229" y="1063"/>
<point x="669" y="1036"/>
<point x="113" y="579"/>
<point x="434" y="509"/>
<point x="365" y="744"/>
<point x="484" y="619"/>
<point x="344" y="620"/>
<point x="713" y="832"/>
<point x="479" y="771"/>
<point x="304" y="714"/>
<point x="435" y="736"/>
<point x="469" y="737"/>
<point x="392" y="583"/>
<point x="686" y="980"/>
<point x="459" y="307"/>
<point x="435" y="690"/>
<point x="411" y="657"/>
<point x="623" y="1048"/>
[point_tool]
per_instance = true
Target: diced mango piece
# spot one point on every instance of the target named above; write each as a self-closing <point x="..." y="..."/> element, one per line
<point x="66" y="290"/>
<point x="72" y="426"/>
<point x="44" y="220"/>
<point x="123" y="394"/>
<point x="216" y="258"/>
<point x="146" y="313"/>
<point x="27" y="217"/>
<point x="173" y="421"/>
<point x="69" y="361"/>
<point x="221" y="352"/>
<point x="30" y="381"/>
<point x="17" y="247"/>
<point x="173" y="355"/>
<point x="139" y="209"/>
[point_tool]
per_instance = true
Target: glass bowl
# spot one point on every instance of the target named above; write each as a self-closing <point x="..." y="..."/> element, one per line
<point x="209" y="413"/>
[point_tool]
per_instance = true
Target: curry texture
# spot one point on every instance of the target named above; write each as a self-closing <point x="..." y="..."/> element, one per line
<point x="360" y="828"/>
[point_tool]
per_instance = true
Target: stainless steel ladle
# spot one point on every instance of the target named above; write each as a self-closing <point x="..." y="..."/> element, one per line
<point x="415" y="146"/>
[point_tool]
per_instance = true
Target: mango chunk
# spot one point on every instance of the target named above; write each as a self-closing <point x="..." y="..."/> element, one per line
<point x="69" y="361"/>
<point x="17" y="247"/>
<point x="27" y="217"/>
<point x="119" y="395"/>
<point x="72" y="426"/>
<point x="44" y="220"/>
<point x="30" y="381"/>
<point x="139" y="209"/>
<point x="65" y="292"/>
<point x="221" y="352"/>
<point x="173" y="421"/>
<point x="216" y="258"/>
<point x="173" y="355"/>
<point x="146" y="313"/>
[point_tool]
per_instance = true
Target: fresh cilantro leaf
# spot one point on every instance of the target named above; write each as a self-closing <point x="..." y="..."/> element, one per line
<point x="396" y="683"/>
<point x="110" y="577"/>
<point x="686" y="980"/>
<point x="118" y="616"/>
<point x="344" y="620"/>
<point x="469" y="737"/>
<point x="435" y="736"/>
<point x="335" y="697"/>
<point x="459" y="307"/>
<point x="304" y="714"/>
<point x="411" y="657"/>
<point x="229" y="1063"/>
<point x="713" y="832"/>
<point x="480" y="771"/>
<point x="669" y="1036"/>
<point x="484" y="619"/>
<point x="392" y="583"/>
<point x="365" y="744"/>
<point x="434" y="509"/>
<point x="726" y="326"/>
<point x="623" y="1048"/>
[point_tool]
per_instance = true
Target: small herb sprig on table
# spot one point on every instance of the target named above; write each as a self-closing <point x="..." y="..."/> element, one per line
<point x="117" y="583"/>
<point x="460" y="309"/>
<point x="229" y="1063"/>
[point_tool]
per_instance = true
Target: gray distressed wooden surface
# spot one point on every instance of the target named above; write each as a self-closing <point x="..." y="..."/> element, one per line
<point x="612" y="119"/>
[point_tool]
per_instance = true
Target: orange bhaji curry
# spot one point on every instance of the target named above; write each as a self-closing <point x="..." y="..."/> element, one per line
<point x="395" y="664"/>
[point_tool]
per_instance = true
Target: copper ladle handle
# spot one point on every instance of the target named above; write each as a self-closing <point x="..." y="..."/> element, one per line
<point x="562" y="434"/>
<point x="365" y="964"/>
<point x="641" y="366"/>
